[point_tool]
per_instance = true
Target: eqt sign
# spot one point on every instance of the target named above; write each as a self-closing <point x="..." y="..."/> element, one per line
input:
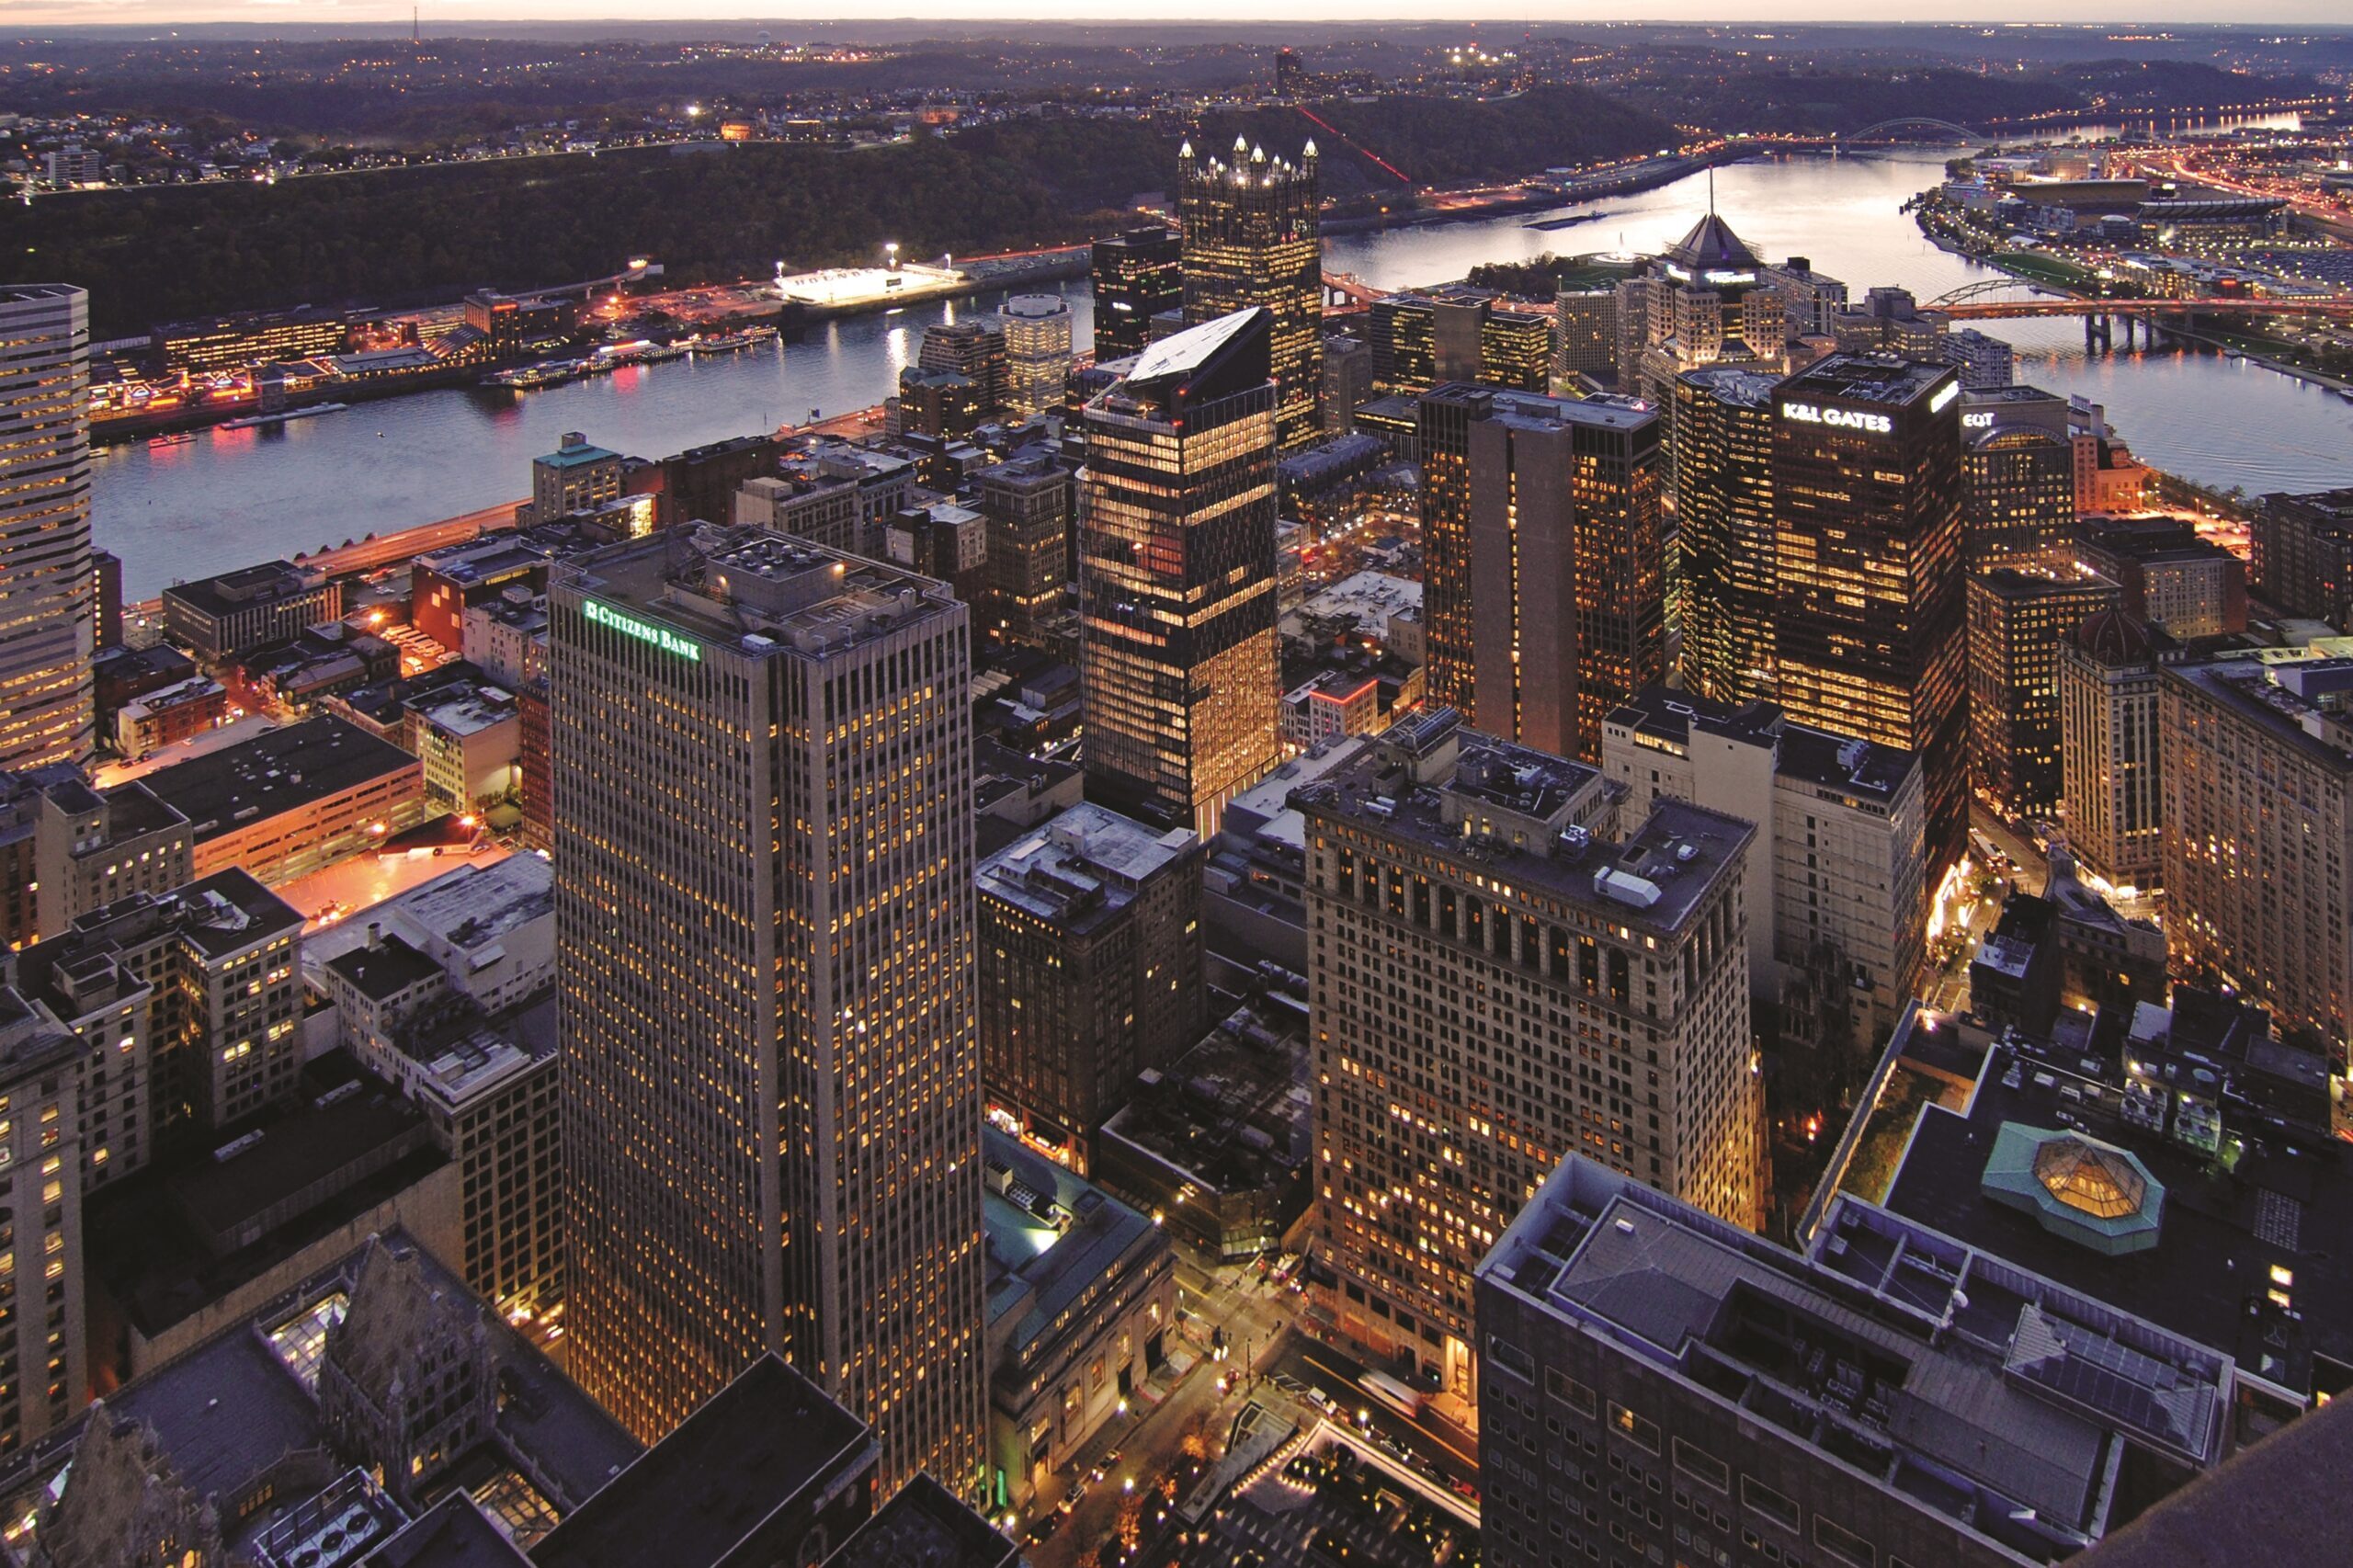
<point x="1839" y="418"/>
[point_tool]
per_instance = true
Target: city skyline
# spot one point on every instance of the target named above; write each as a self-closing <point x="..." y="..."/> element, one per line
<point x="1318" y="12"/>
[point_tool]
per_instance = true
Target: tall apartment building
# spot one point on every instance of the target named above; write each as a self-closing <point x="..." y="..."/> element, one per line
<point x="577" y="477"/>
<point x="761" y="758"/>
<point x="1090" y="972"/>
<point x="1723" y="505"/>
<point x="1137" y="274"/>
<point x="974" y="348"/>
<point x="2018" y="469"/>
<point x="1867" y="509"/>
<point x="1254" y="238"/>
<point x="1704" y="301"/>
<point x="1660" y="1387"/>
<point x="2111" y="768"/>
<point x="44" y="1340"/>
<point x="1027" y="505"/>
<point x="1177" y="575"/>
<point x="1585" y="327"/>
<point x="2173" y="579"/>
<point x="1544" y="586"/>
<point x="1837" y="891"/>
<point x="1036" y="351"/>
<point x="2301" y="558"/>
<point x="2257" y="833"/>
<point x="93" y="847"/>
<point x="2016" y="622"/>
<point x="1457" y="335"/>
<point x="194" y="998"/>
<point x="1496" y="982"/>
<point x="47" y="628"/>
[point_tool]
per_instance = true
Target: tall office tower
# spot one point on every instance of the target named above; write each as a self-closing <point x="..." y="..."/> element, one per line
<point x="1253" y="236"/>
<point x="1036" y="351"/>
<point x="1137" y="275"/>
<point x="577" y="477"/>
<point x="1027" y="505"/>
<point x="2171" y="576"/>
<point x="1867" y="517"/>
<point x="1723" y="507"/>
<point x="2257" y="833"/>
<point x="1837" y="894"/>
<point x="1422" y="340"/>
<point x="1585" y="332"/>
<point x="44" y="1336"/>
<point x="975" y="349"/>
<point x="1450" y="875"/>
<point x="1176" y="577"/>
<point x="46" y="624"/>
<point x="1808" y="298"/>
<point x="1703" y="302"/>
<point x="2018" y="469"/>
<point x="770" y="1093"/>
<point x="2017" y="623"/>
<point x="1348" y="381"/>
<point x="2109" y="765"/>
<point x="2302" y="554"/>
<point x="1090" y="972"/>
<point x="1661" y="1387"/>
<point x="1544" y="593"/>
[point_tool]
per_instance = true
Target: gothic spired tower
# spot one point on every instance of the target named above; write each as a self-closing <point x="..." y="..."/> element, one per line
<point x="1253" y="236"/>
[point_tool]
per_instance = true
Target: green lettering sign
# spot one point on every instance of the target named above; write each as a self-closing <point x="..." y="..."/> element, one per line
<point x="661" y="637"/>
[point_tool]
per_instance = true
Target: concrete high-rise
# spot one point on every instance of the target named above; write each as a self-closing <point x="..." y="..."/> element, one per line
<point x="1866" y="518"/>
<point x="1254" y="236"/>
<point x="1495" y="983"/>
<point x="2109" y="765"/>
<point x="1176" y="577"/>
<point x="1036" y="351"/>
<point x="2016" y="621"/>
<point x="1544" y="593"/>
<point x="2257" y="832"/>
<point x="1723" y="504"/>
<point x="47" y="599"/>
<point x="1137" y="275"/>
<point x="770" y="1096"/>
<point x="1705" y="302"/>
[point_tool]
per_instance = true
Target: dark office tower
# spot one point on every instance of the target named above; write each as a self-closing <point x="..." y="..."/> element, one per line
<point x="1543" y="591"/>
<point x="1137" y="275"/>
<point x="46" y="711"/>
<point x="2016" y="622"/>
<point x="1723" y="507"/>
<point x="1253" y="236"/>
<point x="1456" y="334"/>
<point x="1291" y="75"/>
<point x="2018" y="464"/>
<point x="1027" y="505"/>
<point x="1176" y="577"/>
<point x="105" y="588"/>
<point x="770" y="1097"/>
<point x="1867" y="517"/>
<point x="974" y="349"/>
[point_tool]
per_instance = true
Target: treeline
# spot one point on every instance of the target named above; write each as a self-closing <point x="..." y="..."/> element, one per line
<point x="404" y="236"/>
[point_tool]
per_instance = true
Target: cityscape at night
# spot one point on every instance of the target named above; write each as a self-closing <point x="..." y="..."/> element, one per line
<point x="1341" y="792"/>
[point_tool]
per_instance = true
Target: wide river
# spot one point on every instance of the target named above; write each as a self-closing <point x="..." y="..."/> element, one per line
<point x="229" y="498"/>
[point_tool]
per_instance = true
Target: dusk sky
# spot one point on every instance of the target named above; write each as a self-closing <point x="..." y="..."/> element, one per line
<point x="34" y="12"/>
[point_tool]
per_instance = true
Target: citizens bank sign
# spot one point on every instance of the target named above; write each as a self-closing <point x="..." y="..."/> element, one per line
<point x="1839" y="418"/>
<point x="661" y="637"/>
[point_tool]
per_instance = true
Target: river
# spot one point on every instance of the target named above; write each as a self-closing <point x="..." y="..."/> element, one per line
<point x="229" y="498"/>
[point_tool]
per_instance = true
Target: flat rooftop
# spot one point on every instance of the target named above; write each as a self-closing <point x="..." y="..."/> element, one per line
<point x="278" y="771"/>
<point x="1653" y="878"/>
<point x="749" y="1450"/>
<point x="1883" y="379"/>
<point x="1052" y="1236"/>
<point x="2208" y="1274"/>
<point x="1535" y="411"/>
<point x="1082" y="866"/>
<point x="2246" y="687"/>
<point x="1732" y="384"/>
<point x="923" y="1527"/>
<point x="1972" y="1389"/>
<point x="762" y="593"/>
<point x="248" y="587"/>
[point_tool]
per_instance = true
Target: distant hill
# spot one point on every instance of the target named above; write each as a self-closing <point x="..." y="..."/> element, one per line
<point x="399" y="236"/>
